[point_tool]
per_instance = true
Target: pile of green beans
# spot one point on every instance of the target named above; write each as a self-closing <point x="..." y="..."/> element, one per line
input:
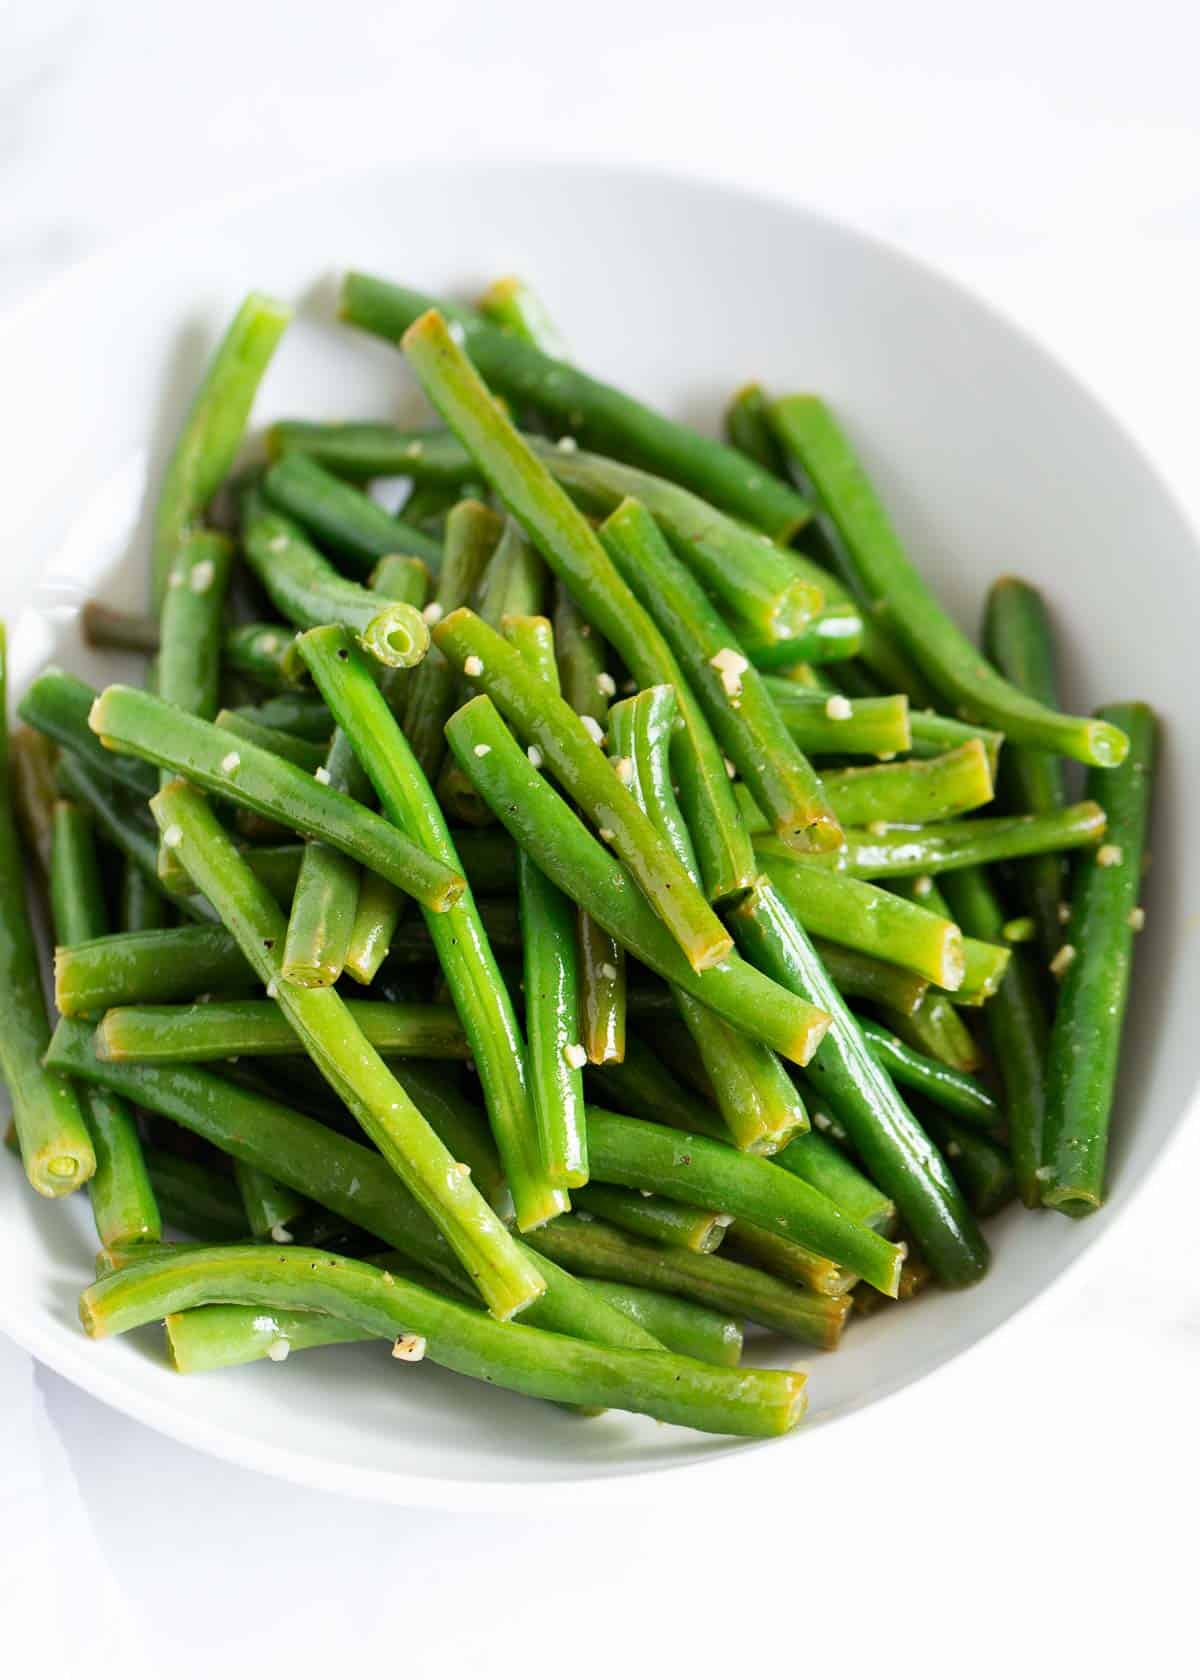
<point x="601" y="906"/>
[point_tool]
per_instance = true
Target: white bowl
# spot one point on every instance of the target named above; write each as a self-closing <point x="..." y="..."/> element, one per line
<point x="992" y="461"/>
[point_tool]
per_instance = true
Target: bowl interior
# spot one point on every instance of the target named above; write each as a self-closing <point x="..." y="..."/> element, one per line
<point x="991" y="459"/>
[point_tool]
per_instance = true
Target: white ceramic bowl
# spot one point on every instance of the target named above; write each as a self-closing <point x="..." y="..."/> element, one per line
<point x="991" y="459"/>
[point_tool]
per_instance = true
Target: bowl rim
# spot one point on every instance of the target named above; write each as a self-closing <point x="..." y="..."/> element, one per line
<point x="736" y="1468"/>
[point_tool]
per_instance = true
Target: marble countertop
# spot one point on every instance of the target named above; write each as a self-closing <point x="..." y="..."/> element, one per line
<point x="1046" y="155"/>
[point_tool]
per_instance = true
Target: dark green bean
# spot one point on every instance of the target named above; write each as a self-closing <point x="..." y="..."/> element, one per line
<point x="341" y="519"/>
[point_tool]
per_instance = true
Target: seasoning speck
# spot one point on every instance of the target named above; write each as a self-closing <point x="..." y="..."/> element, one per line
<point x="279" y="1349"/>
<point x="1137" y="918"/>
<point x="606" y="683"/>
<point x="281" y="1234"/>
<point x="433" y="612"/>
<point x="411" y="1349"/>
<point x="624" y="770"/>
<point x="1108" y="856"/>
<point x="574" y="1055"/>
<point x="593" y="728"/>
<point x="201" y="579"/>
<point x="473" y="666"/>
<point x="1061" y="961"/>
<point x="534" y="755"/>
<point x="567" y="445"/>
<point x="320" y="774"/>
<point x="172" y="836"/>
<point x="230" y="762"/>
<point x="730" y="664"/>
<point x="482" y="750"/>
<point x="838" y="708"/>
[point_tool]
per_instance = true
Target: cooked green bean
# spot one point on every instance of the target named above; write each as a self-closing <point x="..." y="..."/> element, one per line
<point x="194" y="1199"/>
<point x="857" y="975"/>
<point x="675" y="1389"/>
<point x="547" y="722"/>
<point x="207" y="1032"/>
<point x="34" y="792"/>
<point x="544" y="825"/>
<point x="895" y="1151"/>
<point x="326" y="1029"/>
<point x="933" y="735"/>
<point x="255" y="651"/>
<point x="594" y="1249"/>
<point x="341" y="519"/>
<point x="833" y="633"/>
<point x="1018" y="640"/>
<point x="917" y="791"/>
<point x="1017" y="1028"/>
<point x="735" y="699"/>
<point x="823" y="1165"/>
<point x="1093" y="965"/>
<point x="704" y="1173"/>
<point x="480" y="996"/>
<point x="954" y="845"/>
<point x="142" y="905"/>
<point x="472" y="532"/>
<point x="307" y="591"/>
<point x="877" y="725"/>
<point x="643" y="1085"/>
<point x="58" y="704"/>
<point x="123" y="1205"/>
<point x="604" y="415"/>
<point x="750" y="1086"/>
<point x="979" y="1164"/>
<point x="653" y="1217"/>
<point x="268" y="1205"/>
<point x="578" y="559"/>
<point x="296" y="713"/>
<point x="237" y="770"/>
<point x="56" y="1150"/>
<point x="159" y="965"/>
<point x="936" y="1029"/>
<point x="747" y="428"/>
<point x="785" y="1259"/>
<point x="513" y="305"/>
<point x="952" y="1090"/>
<point x="883" y="571"/>
<point x="323" y="909"/>
<point x="864" y="917"/>
<point x="682" y="1326"/>
<point x="212" y="432"/>
<point x="359" y="450"/>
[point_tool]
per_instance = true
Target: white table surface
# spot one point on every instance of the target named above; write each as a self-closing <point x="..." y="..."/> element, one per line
<point x="1032" y="1503"/>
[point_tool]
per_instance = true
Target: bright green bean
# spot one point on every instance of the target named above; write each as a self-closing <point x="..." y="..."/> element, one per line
<point x="341" y="519"/>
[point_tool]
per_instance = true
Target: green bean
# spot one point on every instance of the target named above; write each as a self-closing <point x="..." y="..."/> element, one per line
<point x="747" y="428"/>
<point x="1017" y="1028"/>
<point x="667" y="1386"/>
<point x="189" y="657"/>
<point x="115" y="627"/>
<point x="32" y="760"/>
<point x="551" y="972"/>
<point x="933" y="735"/>
<point x="205" y="1032"/>
<point x="1093" y="966"/>
<point x="216" y="1337"/>
<point x="56" y="1150"/>
<point x="917" y="791"/>
<point x="123" y="1205"/>
<point x="682" y="1326"/>
<point x="601" y="973"/>
<point x="596" y="1250"/>
<point x="864" y="917"/>
<point x="359" y="450"/>
<point x="653" y="1217"/>
<point x="956" y="1092"/>
<point x="893" y="1148"/>
<point x="543" y="825"/>
<point x="833" y="633"/>
<point x="472" y="532"/>
<point x="160" y="965"/>
<point x="823" y="1165"/>
<point x="954" y="845"/>
<point x="586" y="683"/>
<point x="860" y="976"/>
<point x="194" y="1199"/>
<point x="568" y="543"/>
<point x="749" y="1085"/>
<point x="143" y="906"/>
<point x="986" y="961"/>
<point x="341" y="519"/>
<point x="1018" y="640"/>
<point x="978" y="1163"/>
<point x="877" y="725"/>
<point x="254" y="651"/>
<point x="59" y="704"/>
<point x="734" y="697"/>
<point x="882" y="570"/>
<point x="546" y="721"/>
<point x="307" y="590"/>
<point x="325" y="1027"/>
<point x="757" y="583"/>
<point x="513" y="305"/>
<point x="305" y="755"/>
<point x="323" y="909"/>
<point x="936" y="1029"/>
<point x="268" y="1205"/>
<point x="297" y="713"/>
<point x="704" y="1173"/>
<point x="227" y="765"/>
<point x="379" y="906"/>
<point x="462" y="1127"/>
<point x="212" y="432"/>
<point x="609" y="417"/>
<point x="788" y="1260"/>
<point x="463" y="950"/>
